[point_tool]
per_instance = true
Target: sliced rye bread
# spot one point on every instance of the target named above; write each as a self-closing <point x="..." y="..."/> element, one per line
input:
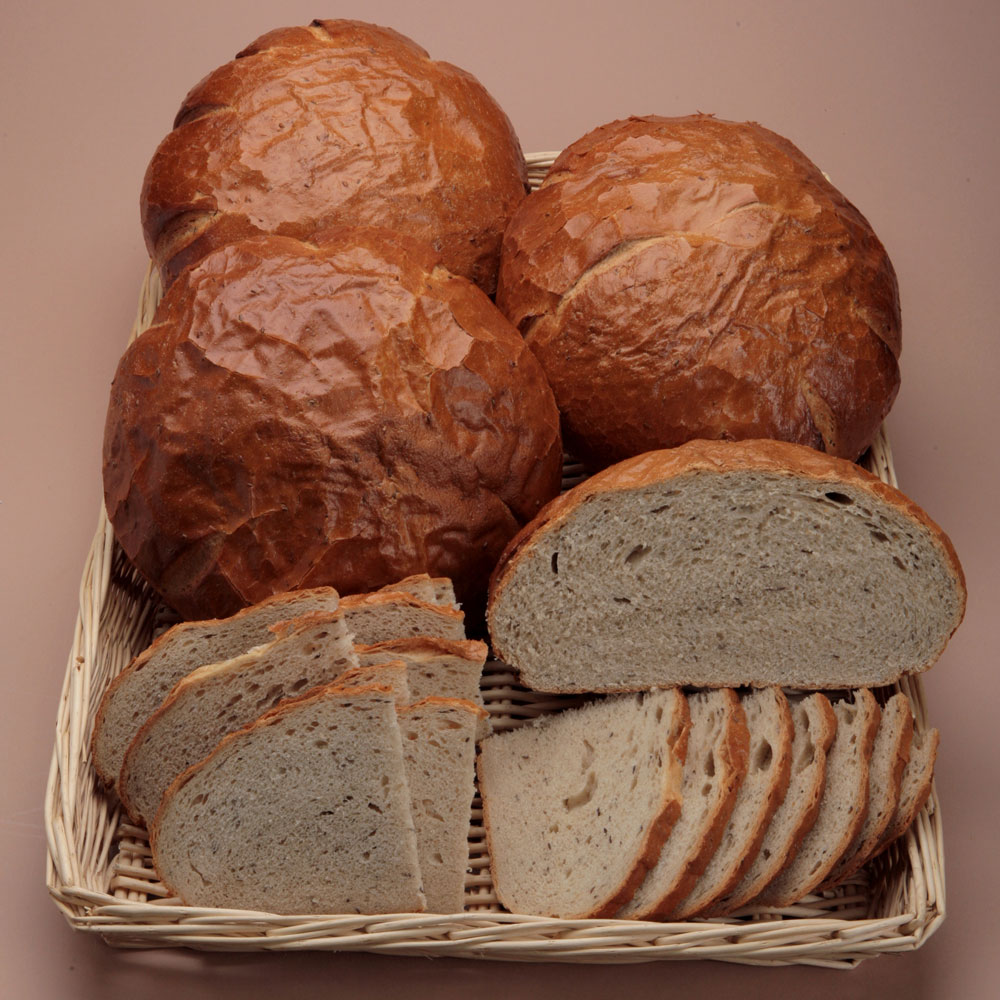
<point x="915" y="789"/>
<point x="832" y="578"/>
<point x="219" y="698"/>
<point x="391" y="674"/>
<point x="815" y="725"/>
<point x="842" y="809"/>
<point x="769" y="722"/>
<point x="577" y="805"/>
<point x="439" y="748"/>
<point x="442" y="668"/>
<point x="431" y="590"/>
<point x="388" y="615"/>
<point x="140" y="688"/>
<point x="715" y="767"/>
<point x="890" y="755"/>
<point x="305" y="810"/>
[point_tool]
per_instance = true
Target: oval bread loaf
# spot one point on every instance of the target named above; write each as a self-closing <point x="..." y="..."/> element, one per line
<point x="344" y="414"/>
<point x="336" y="123"/>
<point x="689" y="277"/>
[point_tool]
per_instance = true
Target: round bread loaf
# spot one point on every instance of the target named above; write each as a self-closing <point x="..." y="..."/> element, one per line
<point x="686" y="278"/>
<point x="342" y="414"/>
<point x="337" y="123"/>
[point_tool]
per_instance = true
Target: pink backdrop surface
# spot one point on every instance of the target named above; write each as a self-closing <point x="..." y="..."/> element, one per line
<point x="896" y="101"/>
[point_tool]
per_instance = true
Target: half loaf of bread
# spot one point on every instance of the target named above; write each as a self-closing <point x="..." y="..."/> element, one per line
<point x="306" y="810"/>
<point x="726" y="564"/>
<point x="577" y="806"/>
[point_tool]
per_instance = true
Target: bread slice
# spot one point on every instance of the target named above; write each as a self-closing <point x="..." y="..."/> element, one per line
<point x="439" y="748"/>
<point x="915" y="789"/>
<point x="889" y="758"/>
<point x="715" y="767"/>
<point x="391" y="674"/>
<point x="722" y="564"/>
<point x="219" y="698"/>
<point x="305" y="810"/>
<point x="577" y="805"/>
<point x="843" y="806"/>
<point x="815" y="725"/>
<point x="138" y="691"/>
<point x="442" y="668"/>
<point x="386" y="615"/>
<point x="431" y="590"/>
<point x="769" y="722"/>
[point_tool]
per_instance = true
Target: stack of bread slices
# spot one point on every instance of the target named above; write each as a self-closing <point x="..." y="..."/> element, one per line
<point x="310" y="754"/>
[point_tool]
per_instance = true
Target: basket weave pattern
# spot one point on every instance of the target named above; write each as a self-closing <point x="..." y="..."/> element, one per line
<point x="100" y="875"/>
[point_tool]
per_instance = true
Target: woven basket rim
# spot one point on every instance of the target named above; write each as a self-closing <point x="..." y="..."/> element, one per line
<point x="81" y="834"/>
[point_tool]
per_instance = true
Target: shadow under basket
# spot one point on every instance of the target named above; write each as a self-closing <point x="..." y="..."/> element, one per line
<point x="100" y="874"/>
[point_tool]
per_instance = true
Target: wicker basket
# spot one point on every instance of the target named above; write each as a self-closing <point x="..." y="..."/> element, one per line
<point x="100" y="875"/>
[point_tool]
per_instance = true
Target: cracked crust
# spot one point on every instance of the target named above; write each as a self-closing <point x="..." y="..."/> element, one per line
<point x="711" y="267"/>
<point x="332" y="124"/>
<point x="260" y="440"/>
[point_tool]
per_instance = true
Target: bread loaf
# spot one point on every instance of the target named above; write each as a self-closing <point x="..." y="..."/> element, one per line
<point x="344" y="415"/>
<point x="336" y="123"/>
<point x="726" y="564"/>
<point x="686" y="278"/>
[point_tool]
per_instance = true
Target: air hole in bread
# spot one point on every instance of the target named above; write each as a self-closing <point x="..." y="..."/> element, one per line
<point x="841" y="498"/>
<point x="710" y="765"/>
<point x="879" y="536"/>
<point x="763" y="757"/>
<point x="299" y="684"/>
<point x="374" y="808"/>
<point x="321" y="744"/>
<point x="621" y="600"/>
<point x="637" y="555"/>
<point x="706" y="790"/>
<point x="898" y="562"/>
<point x="582" y="797"/>
<point x="555" y="562"/>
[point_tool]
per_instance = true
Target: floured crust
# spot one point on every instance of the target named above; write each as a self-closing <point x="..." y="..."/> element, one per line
<point x="302" y="131"/>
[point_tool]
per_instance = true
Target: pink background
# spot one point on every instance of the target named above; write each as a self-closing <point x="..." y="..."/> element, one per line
<point x="896" y="101"/>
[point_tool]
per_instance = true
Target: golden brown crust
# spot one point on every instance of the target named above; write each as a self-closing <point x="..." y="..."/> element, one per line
<point x="271" y="717"/>
<point x="258" y="441"/>
<point x="822" y="737"/>
<point x="783" y="768"/>
<point x="731" y="761"/>
<point x="710" y="268"/>
<point x="778" y="457"/>
<point x="337" y="123"/>
<point x="900" y="757"/>
<point x="421" y="645"/>
<point x="436" y="701"/>
<point x="168" y="638"/>
<point x="859" y="811"/>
